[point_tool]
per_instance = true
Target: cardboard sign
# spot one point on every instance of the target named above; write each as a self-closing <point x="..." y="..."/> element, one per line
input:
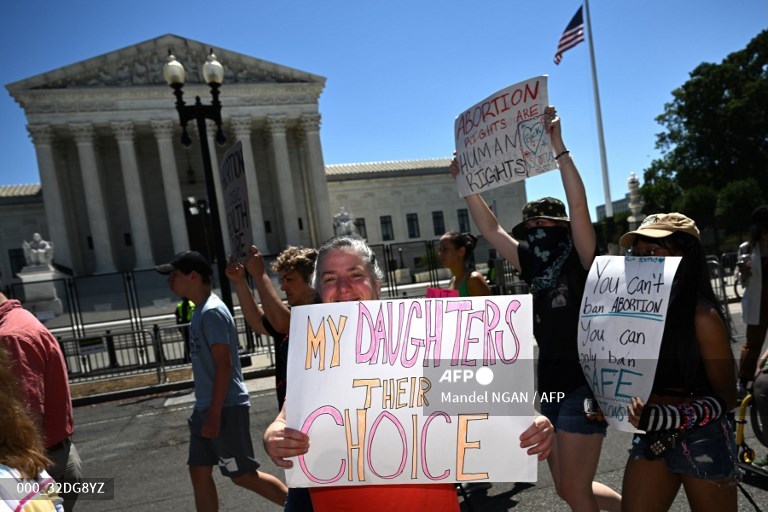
<point x="412" y="391"/>
<point x="621" y="323"/>
<point x="235" y="193"/>
<point x="502" y="139"/>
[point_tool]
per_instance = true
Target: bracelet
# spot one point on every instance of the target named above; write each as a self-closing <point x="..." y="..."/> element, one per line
<point x="566" y="152"/>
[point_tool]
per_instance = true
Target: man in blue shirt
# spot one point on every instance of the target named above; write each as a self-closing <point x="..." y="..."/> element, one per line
<point x="220" y="424"/>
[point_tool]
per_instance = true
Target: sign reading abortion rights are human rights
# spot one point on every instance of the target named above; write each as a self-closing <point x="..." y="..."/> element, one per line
<point x="502" y="139"/>
<point x="623" y="311"/>
<point x="412" y="391"/>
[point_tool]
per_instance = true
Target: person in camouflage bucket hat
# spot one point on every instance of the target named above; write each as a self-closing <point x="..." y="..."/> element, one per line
<point x="544" y="208"/>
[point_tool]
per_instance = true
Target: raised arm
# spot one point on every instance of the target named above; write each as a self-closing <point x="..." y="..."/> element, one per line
<point x="252" y="313"/>
<point x="276" y="311"/>
<point x="584" y="238"/>
<point x="489" y="225"/>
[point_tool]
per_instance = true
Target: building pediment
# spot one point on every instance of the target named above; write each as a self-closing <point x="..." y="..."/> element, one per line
<point x="142" y="64"/>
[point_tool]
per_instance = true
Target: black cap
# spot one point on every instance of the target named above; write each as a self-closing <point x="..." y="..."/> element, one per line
<point x="187" y="262"/>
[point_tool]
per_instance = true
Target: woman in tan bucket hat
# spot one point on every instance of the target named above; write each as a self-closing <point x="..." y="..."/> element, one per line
<point x="688" y="440"/>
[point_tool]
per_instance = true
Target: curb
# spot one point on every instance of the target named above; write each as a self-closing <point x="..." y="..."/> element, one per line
<point x="156" y="389"/>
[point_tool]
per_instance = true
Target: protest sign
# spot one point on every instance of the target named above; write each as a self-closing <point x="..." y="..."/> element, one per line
<point x="235" y="194"/>
<point x="502" y="139"/>
<point x="412" y="391"/>
<point x="621" y="322"/>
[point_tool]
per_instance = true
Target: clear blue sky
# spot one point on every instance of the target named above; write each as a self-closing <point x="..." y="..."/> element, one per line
<point x="400" y="71"/>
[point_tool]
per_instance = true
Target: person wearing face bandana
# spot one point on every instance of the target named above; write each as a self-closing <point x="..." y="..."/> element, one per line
<point x="553" y="250"/>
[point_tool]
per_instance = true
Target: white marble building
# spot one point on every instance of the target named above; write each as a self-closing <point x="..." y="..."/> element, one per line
<point x="114" y="177"/>
<point x="412" y="200"/>
<point x="114" y="174"/>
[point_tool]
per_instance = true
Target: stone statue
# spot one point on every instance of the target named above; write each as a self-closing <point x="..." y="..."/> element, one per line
<point x="343" y="223"/>
<point x="38" y="251"/>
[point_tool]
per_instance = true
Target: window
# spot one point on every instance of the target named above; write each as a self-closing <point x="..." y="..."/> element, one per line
<point x="413" y="225"/>
<point x="438" y="223"/>
<point x="463" y="220"/>
<point x="360" y="227"/>
<point x="387" y="232"/>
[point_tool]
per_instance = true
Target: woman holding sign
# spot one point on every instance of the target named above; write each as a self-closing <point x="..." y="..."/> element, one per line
<point x="347" y="271"/>
<point x="688" y="440"/>
<point x="553" y="254"/>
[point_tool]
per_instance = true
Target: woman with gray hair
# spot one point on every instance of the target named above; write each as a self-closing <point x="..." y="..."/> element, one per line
<point x="346" y="271"/>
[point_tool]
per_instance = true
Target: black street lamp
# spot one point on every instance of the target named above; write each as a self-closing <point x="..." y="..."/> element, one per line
<point x="213" y="74"/>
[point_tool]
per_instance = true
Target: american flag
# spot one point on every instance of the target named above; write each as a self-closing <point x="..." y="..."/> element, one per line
<point x="573" y="35"/>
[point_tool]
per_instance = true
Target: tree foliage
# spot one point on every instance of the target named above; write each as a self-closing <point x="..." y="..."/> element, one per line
<point x="716" y="135"/>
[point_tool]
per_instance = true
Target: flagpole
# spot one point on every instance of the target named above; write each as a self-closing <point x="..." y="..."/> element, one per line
<point x="603" y="159"/>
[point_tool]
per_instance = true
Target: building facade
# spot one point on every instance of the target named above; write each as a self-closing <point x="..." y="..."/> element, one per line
<point x="412" y="200"/>
<point x="120" y="190"/>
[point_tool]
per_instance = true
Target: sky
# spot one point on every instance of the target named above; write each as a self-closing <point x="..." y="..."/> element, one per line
<point x="399" y="72"/>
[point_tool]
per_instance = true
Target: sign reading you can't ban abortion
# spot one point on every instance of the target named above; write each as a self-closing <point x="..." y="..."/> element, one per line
<point x="623" y="311"/>
<point x="235" y="193"/>
<point x="502" y="139"/>
<point x="412" y="391"/>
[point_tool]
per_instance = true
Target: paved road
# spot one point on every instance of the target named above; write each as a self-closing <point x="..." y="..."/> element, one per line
<point x="142" y="444"/>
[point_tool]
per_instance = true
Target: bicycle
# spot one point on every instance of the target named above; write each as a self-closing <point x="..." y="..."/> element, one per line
<point x="749" y="473"/>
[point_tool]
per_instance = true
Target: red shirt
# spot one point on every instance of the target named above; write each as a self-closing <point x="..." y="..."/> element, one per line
<point x="386" y="498"/>
<point x="38" y="364"/>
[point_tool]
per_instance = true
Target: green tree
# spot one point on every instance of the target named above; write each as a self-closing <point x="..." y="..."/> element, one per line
<point x="716" y="133"/>
<point x="735" y="203"/>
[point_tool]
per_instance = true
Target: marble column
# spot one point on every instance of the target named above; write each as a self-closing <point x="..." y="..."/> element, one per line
<point x="242" y="129"/>
<point x="163" y="130"/>
<point x="134" y="195"/>
<point x="276" y="125"/>
<point x="306" y="187"/>
<point x="42" y="137"/>
<point x="319" y="184"/>
<point x="94" y="198"/>
<point x="210" y="129"/>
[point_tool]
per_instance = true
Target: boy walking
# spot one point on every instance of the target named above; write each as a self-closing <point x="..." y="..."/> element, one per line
<point x="220" y="424"/>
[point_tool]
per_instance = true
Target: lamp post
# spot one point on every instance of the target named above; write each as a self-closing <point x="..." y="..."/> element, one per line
<point x="213" y="74"/>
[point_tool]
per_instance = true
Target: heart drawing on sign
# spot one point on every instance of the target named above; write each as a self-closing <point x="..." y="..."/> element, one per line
<point x="532" y="135"/>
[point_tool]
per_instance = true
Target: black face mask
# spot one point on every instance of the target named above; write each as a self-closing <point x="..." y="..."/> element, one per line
<point x="550" y="247"/>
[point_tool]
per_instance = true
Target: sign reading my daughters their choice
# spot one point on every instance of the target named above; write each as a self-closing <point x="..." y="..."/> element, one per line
<point x="502" y="139"/>
<point x="621" y="322"/>
<point x="412" y="391"/>
<point x="235" y="193"/>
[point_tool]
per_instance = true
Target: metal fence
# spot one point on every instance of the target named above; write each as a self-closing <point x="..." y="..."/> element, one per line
<point x="156" y="350"/>
<point x="123" y="323"/>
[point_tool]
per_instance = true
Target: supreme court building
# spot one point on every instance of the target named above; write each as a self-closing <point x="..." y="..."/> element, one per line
<point x="115" y="176"/>
<point x="118" y="191"/>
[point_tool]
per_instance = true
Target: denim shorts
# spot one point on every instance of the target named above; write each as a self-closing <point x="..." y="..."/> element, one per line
<point x="567" y="415"/>
<point x="708" y="452"/>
